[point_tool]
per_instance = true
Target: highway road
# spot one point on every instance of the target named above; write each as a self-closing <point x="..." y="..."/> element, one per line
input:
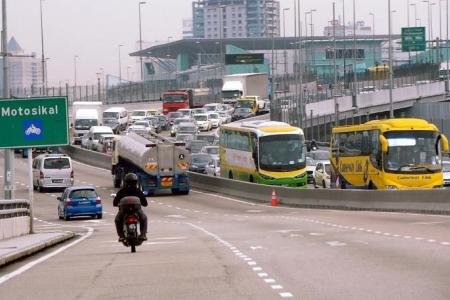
<point x="205" y="246"/>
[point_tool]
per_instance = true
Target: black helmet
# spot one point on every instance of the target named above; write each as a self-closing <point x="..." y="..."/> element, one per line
<point x="131" y="179"/>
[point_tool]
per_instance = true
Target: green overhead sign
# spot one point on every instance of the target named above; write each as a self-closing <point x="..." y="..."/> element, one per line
<point x="413" y="39"/>
<point x="33" y="122"/>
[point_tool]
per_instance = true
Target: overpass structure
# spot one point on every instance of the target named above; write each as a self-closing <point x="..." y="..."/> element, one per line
<point x="321" y="116"/>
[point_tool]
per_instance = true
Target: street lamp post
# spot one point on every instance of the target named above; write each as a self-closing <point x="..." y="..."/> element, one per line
<point x="391" y="105"/>
<point x="44" y="71"/>
<point x="312" y="43"/>
<point x="306" y="39"/>
<point x="75" y="57"/>
<point x="373" y="37"/>
<point x="354" y="102"/>
<point x="415" y="13"/>
<point x="120" y="65"/>
<point x="140" y="40"/>
<point x="284" y="42"/>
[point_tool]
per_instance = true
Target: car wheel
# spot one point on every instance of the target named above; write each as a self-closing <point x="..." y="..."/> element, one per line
<point x="39" y="188"/>
<point x="66" y="217"/>
<point x="99" y="216"/>
<point x="323" y="184"/>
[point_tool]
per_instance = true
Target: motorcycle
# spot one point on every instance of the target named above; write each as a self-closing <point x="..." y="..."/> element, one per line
<point x="130" y="221"/>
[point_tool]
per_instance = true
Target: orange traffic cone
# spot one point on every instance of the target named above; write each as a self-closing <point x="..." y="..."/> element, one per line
<point x="274" y="198"/>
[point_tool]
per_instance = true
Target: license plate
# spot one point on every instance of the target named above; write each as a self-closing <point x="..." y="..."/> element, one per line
<point x="86" y="202"/>
<point x="166" y="183"/>
<point x="57" y="180"/>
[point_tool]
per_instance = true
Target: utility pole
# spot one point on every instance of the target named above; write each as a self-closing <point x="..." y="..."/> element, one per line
<point x="354" y="102"/>
<point x="300" y="67"/>
<point x="391" y="104"/>
<point x="9" y="154"/>
<point x="44" y="71"/>
<point x="334" y="62"/>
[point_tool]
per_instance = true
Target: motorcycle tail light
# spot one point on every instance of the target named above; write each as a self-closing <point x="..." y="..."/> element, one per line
<point x="132" y="219"/>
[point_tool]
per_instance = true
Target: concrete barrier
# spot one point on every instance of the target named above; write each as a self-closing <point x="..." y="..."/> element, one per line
<point x="88" y="157"/>
<point x="14" y="218"/>
<point x="421" y="201"/>
<point x="424" y="201"/>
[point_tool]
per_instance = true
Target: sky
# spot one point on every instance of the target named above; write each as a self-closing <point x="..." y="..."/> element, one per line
<point x="94" y="29"/>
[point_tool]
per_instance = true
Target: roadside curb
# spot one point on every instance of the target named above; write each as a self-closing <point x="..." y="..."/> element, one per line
<point x="40" y="246"/>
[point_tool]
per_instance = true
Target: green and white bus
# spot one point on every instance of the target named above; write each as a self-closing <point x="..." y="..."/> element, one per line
<point x="265" y="152"/>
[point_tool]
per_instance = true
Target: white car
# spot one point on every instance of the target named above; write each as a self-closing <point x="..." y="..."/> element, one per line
<point x="203" y="122"/>
<point x="197" y="111"/>
<point x="322" y="175"/>
<point x="213" y="167"/>
<point x="446" y="170"/>
<point x="225" y="117"/>
<point x="187" y="112"/>
<point x="213" y="151"/>
<point x="139" y="114"/>
<point x="141" y="127"/>
<point x="215" y="119"/>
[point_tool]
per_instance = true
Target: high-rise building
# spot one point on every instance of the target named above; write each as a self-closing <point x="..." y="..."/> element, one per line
<point x="24" y="70"/>
<point x="235" y="18"/>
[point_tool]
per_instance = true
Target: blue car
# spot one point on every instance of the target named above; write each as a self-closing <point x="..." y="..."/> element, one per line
<point x="79" y="201"/>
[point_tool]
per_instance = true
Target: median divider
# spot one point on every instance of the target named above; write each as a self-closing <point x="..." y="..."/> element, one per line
<point x="436" y="201"/>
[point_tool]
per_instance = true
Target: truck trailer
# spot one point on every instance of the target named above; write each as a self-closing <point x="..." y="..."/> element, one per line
<point x="242" y="85"/>
<point x="158" y="165"/>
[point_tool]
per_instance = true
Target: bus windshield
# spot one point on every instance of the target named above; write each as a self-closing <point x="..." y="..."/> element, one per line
<point x="282" y="153"/>
<point x="174" y="98"/>
<point x="244" y="104"/>
<point x="412" y="152"/>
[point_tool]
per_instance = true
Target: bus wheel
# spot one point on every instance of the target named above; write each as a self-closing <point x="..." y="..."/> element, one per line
<point x="230" y="175"/>
<point x="251" y="179"/>
<point x="371" y="186"/>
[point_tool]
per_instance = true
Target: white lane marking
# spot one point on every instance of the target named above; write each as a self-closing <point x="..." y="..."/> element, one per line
<point x="161" y="243"/>
<point x="256" y="247"/>
<point x="336" y="244"/>
<point x="255" y="211"/>
<point x="250" y="263"/>
<point x="445" y="243"/>
<point x="427" y="223"/>
<point x="276" y="287"/>
<point x="269" y="280"/>
<point x="286" y="295"/>
<point x="31" y="264"/>
<point x="257" y="269"/>
<point x="176" y="216"/>
<point x="228" y="198"/>
<point x="316" y="234"/>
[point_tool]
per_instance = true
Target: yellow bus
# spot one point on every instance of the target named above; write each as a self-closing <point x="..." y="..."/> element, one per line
<point x="265" y="152"/>
<point x="388" y="154"/>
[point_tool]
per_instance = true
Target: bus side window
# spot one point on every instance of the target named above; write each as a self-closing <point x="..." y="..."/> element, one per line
<point x="254" y="147"/>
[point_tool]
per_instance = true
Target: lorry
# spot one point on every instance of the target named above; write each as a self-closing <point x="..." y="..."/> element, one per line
<point x="158" y="165"/>
<point x="84" y="115"/>
<point x="174" y="100"/>
<point x="242" y="85"/>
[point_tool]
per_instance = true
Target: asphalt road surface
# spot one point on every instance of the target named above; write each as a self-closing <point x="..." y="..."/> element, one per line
<point x="206" y="246"/>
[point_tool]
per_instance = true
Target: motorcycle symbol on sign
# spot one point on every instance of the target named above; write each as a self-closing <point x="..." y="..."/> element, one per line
<point x="33" y="130"/>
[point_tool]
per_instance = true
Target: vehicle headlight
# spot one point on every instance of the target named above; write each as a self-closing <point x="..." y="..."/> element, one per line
<point x="267" y="177"/>
<point x="391" y="187"/>
<point x="300" y="175"/>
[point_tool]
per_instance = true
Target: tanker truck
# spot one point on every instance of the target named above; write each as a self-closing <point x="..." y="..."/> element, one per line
<point x="158" y="165"/>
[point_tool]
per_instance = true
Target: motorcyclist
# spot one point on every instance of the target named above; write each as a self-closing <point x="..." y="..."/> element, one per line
<point x="131" y="189"/>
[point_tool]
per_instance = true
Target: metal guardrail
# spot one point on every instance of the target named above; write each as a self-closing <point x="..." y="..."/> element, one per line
<point x="436" y="201"/>
<point x="14" y="208"/>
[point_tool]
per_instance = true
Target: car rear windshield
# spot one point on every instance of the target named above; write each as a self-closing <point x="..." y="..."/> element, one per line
<point x="83" y="194"/>
<point x="56" y="163"/>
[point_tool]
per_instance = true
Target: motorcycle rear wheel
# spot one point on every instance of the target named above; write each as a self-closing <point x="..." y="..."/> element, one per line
<point x="133" y="248"/>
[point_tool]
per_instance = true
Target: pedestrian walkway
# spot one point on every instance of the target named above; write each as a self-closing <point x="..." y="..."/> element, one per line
<point x="16" y="248"/>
